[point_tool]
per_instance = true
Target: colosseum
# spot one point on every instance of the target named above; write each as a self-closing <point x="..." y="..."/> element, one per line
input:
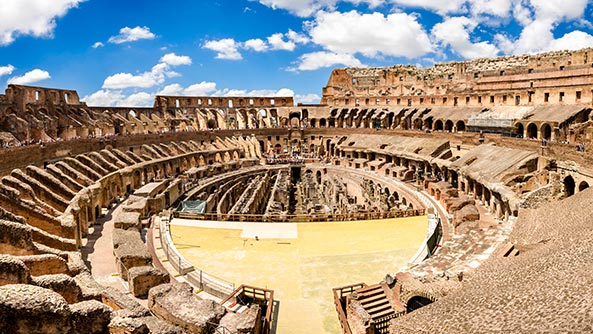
<point x="449" y="199"/>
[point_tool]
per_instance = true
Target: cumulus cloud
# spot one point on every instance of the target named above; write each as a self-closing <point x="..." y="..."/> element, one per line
<point x="277" y="42"/>
<point x="321" y="59"/>
<point x="572" y="41"/>
<point x="116" y="98"/>
<point x="6" y="70"/>
<point x="104" y="98"/>
<point x="175" y="60"/>
<point x="98" y="45"/>
<point x="141" y="99"/>
<point x="307" y="98"/>
<point x="455" y="32"/>
<point x="30" y="77"/>
<point x="304" y="8"/>
<point x="157" y="75"/>
<point x="31" y="17"/>
<point x="127" y="34"/>
<point x="539" y="19"/>
<point x="226" y="48"/>
<point x="372" y="35"/>
<point x="198" y="89"/>
<point x="256" y="44"/>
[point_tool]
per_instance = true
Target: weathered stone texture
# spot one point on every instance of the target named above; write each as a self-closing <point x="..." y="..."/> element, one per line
<point x="26" y="309"/>
<point x="177" y="304"/>
<point x="247" y="322"/>
<point x="142" y="279"/>
<point x="90" y="317"/>
<point x="13" y="271"/>
<point x="129" y="251"/>
<point x="119" y="325"/>
<point x="63" y="284"/>
<point x="46" y="264"/>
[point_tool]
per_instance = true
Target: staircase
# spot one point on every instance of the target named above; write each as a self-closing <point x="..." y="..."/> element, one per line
<point x="374" y="299"/>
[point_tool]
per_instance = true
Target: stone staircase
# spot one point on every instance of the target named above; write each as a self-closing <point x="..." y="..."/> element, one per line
<point x="375" y="301"/>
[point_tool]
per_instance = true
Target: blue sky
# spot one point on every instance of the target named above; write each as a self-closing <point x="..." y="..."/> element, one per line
<point x="125" y="52"/>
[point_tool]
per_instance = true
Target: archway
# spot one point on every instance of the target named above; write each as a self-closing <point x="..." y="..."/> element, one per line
<point x="449" y="126"/>
<point x="438" y="125"/>
<point x="322" y="123"/>
<point x="460" y="126"/>
<point x="211" y="124"/>
<point x="417" y="302"/>
<point x="546" y="132"/>
<point x="532" y="131"/>
<point x="520" y="130"/>
<point x="583" y="185"/>
<point x="569" y="186"/>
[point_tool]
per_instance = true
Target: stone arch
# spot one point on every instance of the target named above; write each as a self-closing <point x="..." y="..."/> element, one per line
<point x="532" y="131"/>
<point x="583" y="185"/>
<point x="546" y="131"/>
<point x="322" y="123"/>
<point x="438" y="125"/>
<point x="520" y="130"/>
<point x="449" y="126"/>
<point x="313" y="122"/>
<point x="460" y="126"/>
<point x="211" y="123"/>
<point x="416" y="302"/>
<point x="201" y="161"/>
<point x="569" y="186"/>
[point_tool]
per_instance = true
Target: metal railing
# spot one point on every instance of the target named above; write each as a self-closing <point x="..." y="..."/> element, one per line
<point x="204" y="281"/>
<point x="300" y="218"/>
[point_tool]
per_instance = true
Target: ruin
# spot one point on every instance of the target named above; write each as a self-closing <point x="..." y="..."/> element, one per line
<point x="494" y="152"/>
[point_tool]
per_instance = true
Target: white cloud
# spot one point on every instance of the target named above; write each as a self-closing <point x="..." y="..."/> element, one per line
<point x="30" y="77"/>
<point x="141" y="99"/>
<point x="296" y="37"/>
<point x="104" y="98"/>
<point x="175" y="60"/>
<point x="307" y="98"/>
<point x="144" y="80"/>
<point x="6" y="70"/>
<point x="321" y="59"/>
<point x="500" y="8"/>
<point x="439" y="6"/>
<point x="372" y="35"/>
<point x="256" y="44"/>
<point x="171" y="90"/>
<point x="283" y="92"/>
<point x="559" y="9"/>
<point x="304" y="8"/>
<point x="31" y="17"/>
<point x="98" y="45"/>
<point x="227" y="48"/>
<point x="277" y="42"/>
<point x="572" y="41"/>
<point x="455" y="32"/>
<point x="200" y="89"/>
<point x="127" y="34"/>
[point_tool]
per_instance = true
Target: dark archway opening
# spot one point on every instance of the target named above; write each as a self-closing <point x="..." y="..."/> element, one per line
<point x="569" y="186"/>
<point x="417" y="302"/>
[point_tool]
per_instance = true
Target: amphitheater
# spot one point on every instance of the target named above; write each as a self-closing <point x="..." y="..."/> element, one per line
<point x="449" y="199"/>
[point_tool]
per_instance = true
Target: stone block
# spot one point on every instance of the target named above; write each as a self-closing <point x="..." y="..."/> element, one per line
<point x="90" y="317"/>
<point x="127" y="221"/>
<point x="63" y="284"/>
<point x="142" y="279"/>
<point x="247" y="322"/>
<point x="129" y="251"/>
<point x="177" y="304"/>
<point x="26" y="309"/>
<point x="119" y="325"/>
<point x="13" y="271"/>
<point x="46" y="264"/>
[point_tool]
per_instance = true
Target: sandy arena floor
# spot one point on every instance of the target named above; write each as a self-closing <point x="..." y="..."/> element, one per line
<point x="301" y="262"/>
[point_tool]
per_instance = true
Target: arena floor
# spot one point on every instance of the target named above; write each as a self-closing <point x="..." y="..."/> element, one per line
<point x="301" y="262"/>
